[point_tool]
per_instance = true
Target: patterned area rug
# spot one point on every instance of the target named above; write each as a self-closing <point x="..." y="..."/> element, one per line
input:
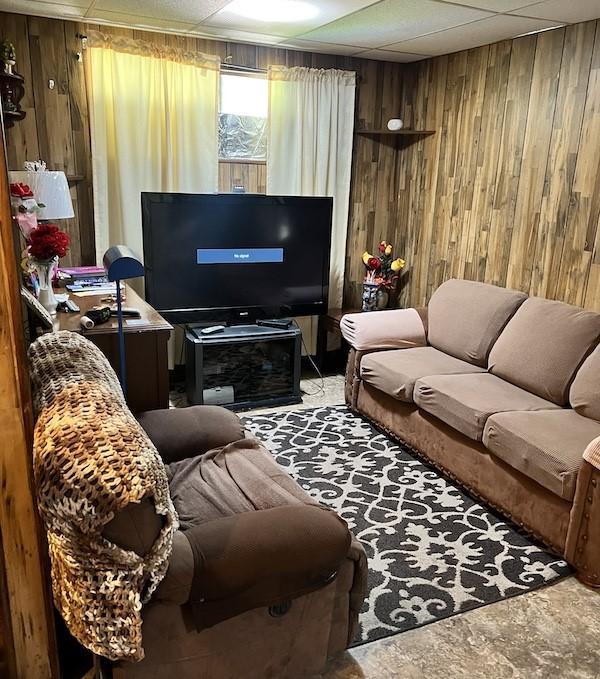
<point x="433" y="551"/>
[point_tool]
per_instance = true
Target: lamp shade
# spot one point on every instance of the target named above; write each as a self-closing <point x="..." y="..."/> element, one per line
<point x="49" y="188"/>
<point x="121" y="263"/>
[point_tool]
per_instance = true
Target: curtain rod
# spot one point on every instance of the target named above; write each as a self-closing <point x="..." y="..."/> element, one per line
<point x="238" y="67"/>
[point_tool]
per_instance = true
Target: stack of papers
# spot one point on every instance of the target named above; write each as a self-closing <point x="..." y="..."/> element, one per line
<point x="87" y="290"/>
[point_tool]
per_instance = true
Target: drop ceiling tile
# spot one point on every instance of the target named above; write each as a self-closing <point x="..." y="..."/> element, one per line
<point x="74" y="10"/>
<point x="235" y="36"/>
<point x="499" y="27"/>
<point x="394" y="20"/>
<point x="64" y="3"/>
<point x="137" y="21"/>
<point x="496" y="5"/>
<point x="322" y="47"/>
<point x="563" y="10"/>
<point x="388" y="55"/>
<point x="189" y="11"/>
<point x="328" y="11"/>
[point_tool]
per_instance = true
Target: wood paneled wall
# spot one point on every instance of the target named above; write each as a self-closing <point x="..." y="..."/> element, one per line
<point x="252" y="176"/>
<point x="56" y="126"/>
<point x="508" y="189"/>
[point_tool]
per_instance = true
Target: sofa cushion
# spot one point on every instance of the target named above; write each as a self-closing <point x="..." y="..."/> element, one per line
<point x="240" y="477"/>
<point x="466" y="401"/>
<point x="256" y="538"/>
<point x="585" y="390"/>
<point x="547" y="446"/>
<point x="395" y="372"/>
<point x="543" y="345"/>
<point x="466" y="318"/>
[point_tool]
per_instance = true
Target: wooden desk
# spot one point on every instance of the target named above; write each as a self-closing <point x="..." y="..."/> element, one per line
<point x="145" y="347"/>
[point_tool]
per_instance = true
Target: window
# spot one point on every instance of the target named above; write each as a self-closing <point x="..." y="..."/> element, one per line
<point x="243" y="117"/>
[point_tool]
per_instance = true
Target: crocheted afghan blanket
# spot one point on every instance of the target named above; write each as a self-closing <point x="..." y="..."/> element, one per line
<point x="92" y="458"/>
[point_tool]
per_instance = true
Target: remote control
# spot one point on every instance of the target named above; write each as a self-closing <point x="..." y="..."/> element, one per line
<point x="71" y="306"/>
<point x="279" y="323"/>
<point x="212" y="329"/>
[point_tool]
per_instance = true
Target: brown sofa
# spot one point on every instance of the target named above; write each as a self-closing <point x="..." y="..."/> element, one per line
<point x="502" y="393"/>
<point x="262" y="581"/>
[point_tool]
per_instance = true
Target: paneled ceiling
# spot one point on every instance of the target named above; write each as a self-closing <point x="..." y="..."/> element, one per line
<point x="391" y="30"/>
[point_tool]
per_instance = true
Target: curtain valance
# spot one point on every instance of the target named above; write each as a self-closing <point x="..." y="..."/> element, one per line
<point x="145" y="48"/>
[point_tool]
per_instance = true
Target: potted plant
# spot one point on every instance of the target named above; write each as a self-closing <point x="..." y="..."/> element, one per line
<point x="381" y="277"/>
<point x="46" y="244"/>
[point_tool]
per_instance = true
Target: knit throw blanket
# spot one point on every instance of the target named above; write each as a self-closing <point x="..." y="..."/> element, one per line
<point x="91" y="458"/>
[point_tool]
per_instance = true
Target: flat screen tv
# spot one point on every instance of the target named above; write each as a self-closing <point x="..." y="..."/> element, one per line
<point x="236" y="257"/>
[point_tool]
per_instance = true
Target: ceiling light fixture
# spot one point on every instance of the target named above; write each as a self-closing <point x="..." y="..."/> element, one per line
<point x="273" y="10"/>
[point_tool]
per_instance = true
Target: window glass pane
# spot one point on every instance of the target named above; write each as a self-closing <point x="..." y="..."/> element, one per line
<point x="243" y="117"/>
<point x="244" y="95"/>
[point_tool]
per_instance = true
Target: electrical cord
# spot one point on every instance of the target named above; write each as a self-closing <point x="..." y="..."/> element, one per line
<point x="321" y="389"/>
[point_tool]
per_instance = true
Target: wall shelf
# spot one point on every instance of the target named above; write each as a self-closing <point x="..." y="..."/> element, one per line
<point x="12" y="89"/>
<point x="374" y="133"/>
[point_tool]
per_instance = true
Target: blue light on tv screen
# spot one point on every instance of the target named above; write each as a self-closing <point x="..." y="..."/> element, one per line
<point x="239" y="255"/>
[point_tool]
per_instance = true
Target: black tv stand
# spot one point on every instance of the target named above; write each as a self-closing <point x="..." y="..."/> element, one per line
<point x="244" y="366"/>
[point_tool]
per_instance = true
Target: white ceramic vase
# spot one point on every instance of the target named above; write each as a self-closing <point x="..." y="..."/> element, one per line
<point x="45" y="272"/>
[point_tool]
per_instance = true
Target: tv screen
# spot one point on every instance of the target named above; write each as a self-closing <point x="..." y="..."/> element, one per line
<point x="231" y="257"/>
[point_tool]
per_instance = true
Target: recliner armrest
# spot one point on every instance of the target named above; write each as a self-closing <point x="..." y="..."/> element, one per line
<point x="258" y="558"/>
<point x="392" y="329"/>
<point x="179" y="433"/>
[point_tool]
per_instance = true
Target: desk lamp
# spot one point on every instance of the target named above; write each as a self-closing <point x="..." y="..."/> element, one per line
<point x="121" y="264"/>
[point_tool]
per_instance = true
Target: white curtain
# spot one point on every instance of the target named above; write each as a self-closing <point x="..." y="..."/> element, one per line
<point x="153" y="119"/>
<point x="309" y="152"/>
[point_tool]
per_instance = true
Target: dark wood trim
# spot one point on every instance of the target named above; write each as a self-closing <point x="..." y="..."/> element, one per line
<point x="28" y="607"/>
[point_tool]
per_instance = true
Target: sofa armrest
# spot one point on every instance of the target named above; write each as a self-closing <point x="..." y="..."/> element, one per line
<point x="176" y="586"/>
<point x="592" y="453"/>
<point x="180" y="433"/>
<point x="255" y="559"/>
<point x="135" y="528"/>
<point x="583" y="536"/>
<point x="392" y="329"/>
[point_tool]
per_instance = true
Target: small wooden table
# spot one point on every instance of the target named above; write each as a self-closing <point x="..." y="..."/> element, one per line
<point x="145" y="347"/>
<point x="329" y="323"/>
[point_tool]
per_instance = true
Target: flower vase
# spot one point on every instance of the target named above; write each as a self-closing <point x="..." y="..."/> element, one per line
<point x="45" y="272"/>
<point x="382" y="298"/>
<point x="369" y="296"/>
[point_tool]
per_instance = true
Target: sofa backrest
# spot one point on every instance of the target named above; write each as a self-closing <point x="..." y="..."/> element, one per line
<point x="585" y="390"/>
<point x="543" y="345"/>
<point x="465" y="318"/>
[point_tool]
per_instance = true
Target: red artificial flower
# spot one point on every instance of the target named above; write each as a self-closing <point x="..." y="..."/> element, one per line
<point x="382" y="246"/>
<point x="21" y="190"/>
<point x="48" y="241"/>
<point x="374" y="263"/>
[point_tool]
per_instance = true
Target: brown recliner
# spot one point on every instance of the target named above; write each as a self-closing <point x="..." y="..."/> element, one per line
<point x="262" y="581"/>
